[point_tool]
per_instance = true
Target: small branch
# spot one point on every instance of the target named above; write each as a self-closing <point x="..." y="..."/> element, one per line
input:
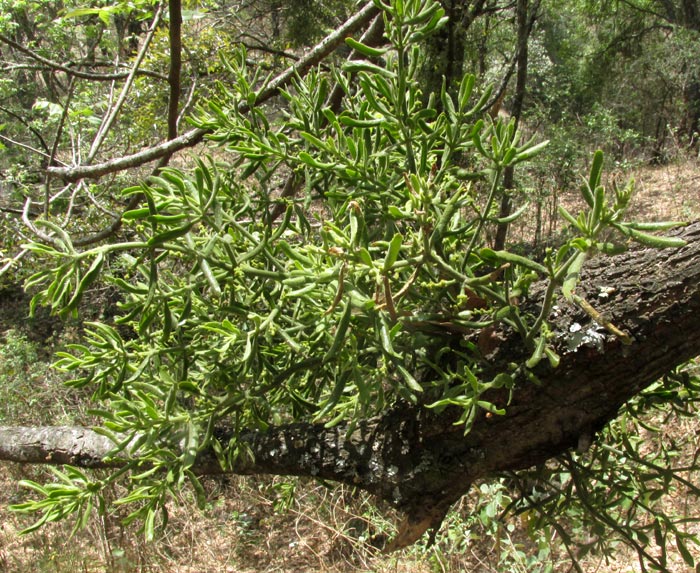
<point x="92" y="76"/>
<point x="29" y="148"/>
<point x="107" y="232"/>
<point x="72" y="174"/>
<point x="112" y="115"/>
<point x="26" y="124"/>
<point x="669" y="7"/>
<point x="190" y="97"/>
<point x="14" y="260"/>
<point x="602" y="320"/>
<point x="69" y="69"/>
<point x="195" y="136"/>
<point x="269" y="50"/>
<point x="54" y="147"/>
<point x="25" y="219"/>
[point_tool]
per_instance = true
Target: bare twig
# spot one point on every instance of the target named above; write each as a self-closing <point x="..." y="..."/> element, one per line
<point x="195" y="136"/>
<point x="95" y="171"/>
<point x="13" y="261"/>
<point x="29" y="126"/>
<point x="259" y="47"/>
<point x="27" y="221"/>
<point x="112" y="115"/>
<point x="54" y="147"/>
<point x="69" y="69"/>
<point x="28" y="147"/>
<point x="190" y="97"/>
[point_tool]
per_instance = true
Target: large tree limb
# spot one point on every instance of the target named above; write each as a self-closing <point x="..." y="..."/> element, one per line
<point x="195" y="136"/>
<point x="418" y="460"/>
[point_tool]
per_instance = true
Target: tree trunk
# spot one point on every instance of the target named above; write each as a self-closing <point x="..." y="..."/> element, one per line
<point x="175" y="41"/>
<point x="525" y="21"/>
<point x="445" y="49"/>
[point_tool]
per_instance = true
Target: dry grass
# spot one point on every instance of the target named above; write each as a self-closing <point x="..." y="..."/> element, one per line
<point x="240" y="530"/>
<point x="277" y="525"/>
<point x="662" y="193"/>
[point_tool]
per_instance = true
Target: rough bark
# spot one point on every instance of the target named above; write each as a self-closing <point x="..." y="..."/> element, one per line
<point x="445" y="49"/>
<point x="418" y="460"/>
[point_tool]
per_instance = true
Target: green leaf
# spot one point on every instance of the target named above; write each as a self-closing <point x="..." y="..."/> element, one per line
<point x="466" y="87"/>
<point x="656" y="225"/>
<point x="350" y="121"/>
<point x="568" y="216"/>
<point x="385" y="337"/>
<point x="598" y="205"/>
<point x="651" y="240"/>
<point x="534" y="360"/>
<point x="476" y="139"/>
<point x="338" y="389"/>
<point x="149" y="524"/>
<point x="313" y="162"/>
<point x="572" y="275"/>
<point x="393" y="252"/>
<point x="514" y="216"/>
<point x="595" y="174"/>
<point x="87" y="279"/>
<point x="489" y="407"/>
<point x="508" y="257"/>
<point x="313" y="140"/>
<point x="365" y="257"/>
<point x="355" y="66"/>
<point x="609" y="248"/>
<point x="141" y="213"/>
<point x="685" y="553"/>
<point x="365" y="49"/>
<point x="172" y="234"/>
<point x="529" y="152"/>
<point x="411" y="382"/>
<point x="552" y="356"/>
<point x="340" y="332"/>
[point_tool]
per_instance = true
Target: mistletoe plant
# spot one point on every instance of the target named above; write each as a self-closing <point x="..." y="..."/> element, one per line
<point x="336" y="263"/>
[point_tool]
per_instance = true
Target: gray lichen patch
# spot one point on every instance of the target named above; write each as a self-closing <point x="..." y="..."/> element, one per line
<point x="592" y="336"/>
